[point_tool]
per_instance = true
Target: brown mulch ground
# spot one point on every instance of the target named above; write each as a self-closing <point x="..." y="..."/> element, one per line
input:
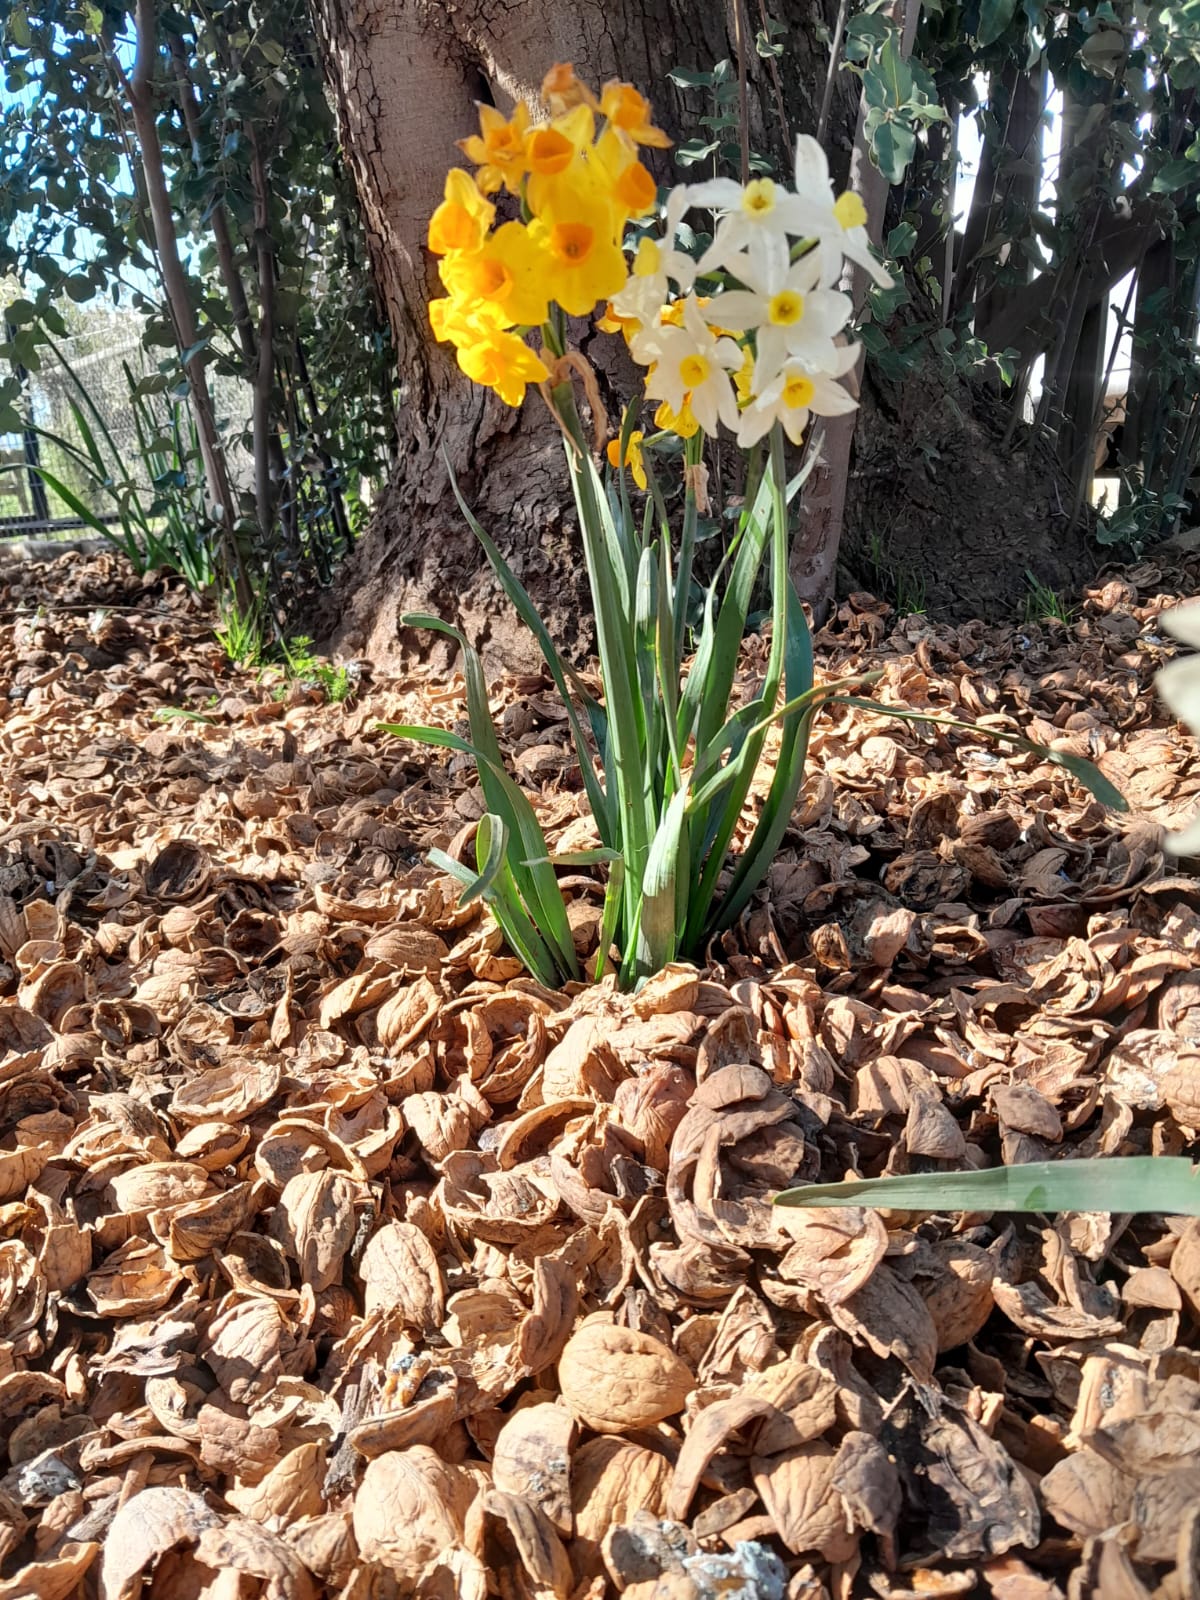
<point x="337" y="1258"/>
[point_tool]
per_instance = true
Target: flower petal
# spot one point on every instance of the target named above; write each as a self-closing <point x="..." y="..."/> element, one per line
<point x="737" y="308"/>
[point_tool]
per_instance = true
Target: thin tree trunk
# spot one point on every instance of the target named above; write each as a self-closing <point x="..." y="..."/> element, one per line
<point x="1082" y="397"/>
<point x="1144" y="399"/>
<point x="226" y="255"/>
<point x="1016" y="188"/>
<point x="141" y="101"/>
<point x="329" y="477"/>
<point x="264" y="377"/>
<point x="819" y="536"/>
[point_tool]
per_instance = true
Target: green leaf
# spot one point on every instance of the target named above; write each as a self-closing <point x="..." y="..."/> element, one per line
<point x="687" y="78"/>
<point x="995" y="16"/>
<point x="579" y="858"/>
<point x="18" y="28"/>
<point x="1084" y="771"/>
<point x="536" y="886"/>
<point x="788" y="778"/>
<point x="491" y="848"/>
<point x="901" y="240"/>
<point x="631" y="787"/>
<point x="667" y="868"/>
<point x="559" y="671"/>
<point x="1121" y="1185"/>
<point x="494" y="885"/>
<point x="1174" y="175"/>
<point x="896" y="72"/>
<point x="611" y="915"/>
<point x="692" y="151"/>
<point x="892" y="148"/>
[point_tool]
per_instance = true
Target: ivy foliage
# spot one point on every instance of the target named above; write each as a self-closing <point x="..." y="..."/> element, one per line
<point x="250" y="152"/>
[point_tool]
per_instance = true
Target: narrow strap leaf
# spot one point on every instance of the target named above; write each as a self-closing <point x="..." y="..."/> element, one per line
<point x="1122" y="1185"/>
<point x="559" y="671"/>
<point x="787" y="779"/>
<point x="658" y="935"/>
<point x="1084" y="771"/>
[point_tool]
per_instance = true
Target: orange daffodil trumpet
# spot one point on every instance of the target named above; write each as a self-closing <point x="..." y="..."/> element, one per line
<point x="749" y="336"/>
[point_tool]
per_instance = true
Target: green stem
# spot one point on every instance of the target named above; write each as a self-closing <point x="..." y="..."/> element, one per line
<point x="635" y="818"/>
<point x="748" y="756"/>
<point x="693" y="454"/>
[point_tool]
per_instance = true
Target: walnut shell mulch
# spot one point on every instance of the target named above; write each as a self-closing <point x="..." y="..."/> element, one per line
<point x="340" y="1259"/>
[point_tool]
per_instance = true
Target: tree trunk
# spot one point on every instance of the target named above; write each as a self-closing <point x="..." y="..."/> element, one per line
<point x="822" y="518"/>
<point x="140" y="89"/>
<point x="405" y="75"/>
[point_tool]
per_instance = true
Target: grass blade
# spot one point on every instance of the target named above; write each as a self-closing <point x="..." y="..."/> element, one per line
<point x="89" y="440"/>
<point x="1118" y="1184"/>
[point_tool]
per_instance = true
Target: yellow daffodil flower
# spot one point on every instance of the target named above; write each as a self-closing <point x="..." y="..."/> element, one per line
<point x="462" y="220"/>
<point x="550" y="149"/>
<point x="498" y="149"/>
<point x="561" y="175"/>
<point x="563" y="91"/>
<point x="629" y="111"/>
<point x="743" y="379"/>
<point x="631" y="189"/>
<point x="610" y="320"/>
<point x="458" y="324"/>
<point x="502" y="362"/>
<point x="508" y="272"/>
<point x="632" y="459"/>
<point x="681" y="422"/>
<point x="580" y="260"/>
<point x="763" y="351"/>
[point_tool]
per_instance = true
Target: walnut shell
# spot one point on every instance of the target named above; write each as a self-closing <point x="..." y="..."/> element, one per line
<point x="613" y="1379"/>
<point x="960" y="1297"/>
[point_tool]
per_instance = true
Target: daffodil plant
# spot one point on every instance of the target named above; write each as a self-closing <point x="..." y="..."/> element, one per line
<point x="750" y="337"/>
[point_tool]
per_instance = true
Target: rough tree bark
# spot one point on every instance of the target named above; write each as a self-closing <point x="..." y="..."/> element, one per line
<point x="405" y="75"/>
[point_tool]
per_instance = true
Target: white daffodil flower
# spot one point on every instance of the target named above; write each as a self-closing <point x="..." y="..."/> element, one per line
<point x="794" y="318"/>
<point x="692" y="363"/>
<point x="655" y="267"/>
<point x="756" y="218"/>
<point x="839" y="226"/>
<point x="794" y="396"/>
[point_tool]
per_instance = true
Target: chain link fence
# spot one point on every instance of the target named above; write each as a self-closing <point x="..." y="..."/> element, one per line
<point x="103" y="361"/>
